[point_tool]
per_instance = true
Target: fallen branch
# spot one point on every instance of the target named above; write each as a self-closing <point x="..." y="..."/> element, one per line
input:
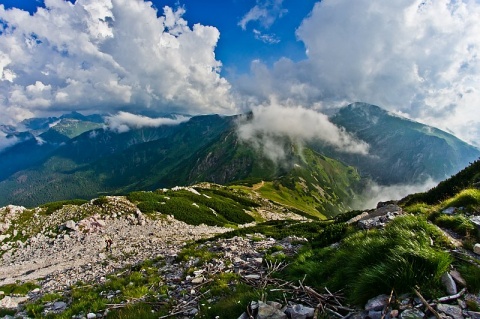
<point x="427" y="304"/>
<point x="334" y="313"/>
<point x="388" y="305"/>
<point x="452" y="297"/>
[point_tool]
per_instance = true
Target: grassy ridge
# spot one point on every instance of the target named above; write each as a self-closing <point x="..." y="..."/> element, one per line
<point x="316" y="184"/>
<point x="468" y="177"/>
<point x="210" y="208"/>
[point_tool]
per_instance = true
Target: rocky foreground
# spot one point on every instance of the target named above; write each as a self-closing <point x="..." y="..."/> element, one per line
<point x="57" y="257"/>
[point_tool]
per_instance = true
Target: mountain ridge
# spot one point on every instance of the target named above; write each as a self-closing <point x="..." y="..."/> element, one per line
<point x="206" y="148"/>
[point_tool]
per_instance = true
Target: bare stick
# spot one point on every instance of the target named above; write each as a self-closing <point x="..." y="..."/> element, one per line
<point x="427" y="304"/>
<point x="455" y="296"/>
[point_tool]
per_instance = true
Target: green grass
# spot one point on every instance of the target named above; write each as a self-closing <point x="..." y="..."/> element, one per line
<point x="7" y="312"/>
<point x="195" y="251"/>
<point x="471" y="274"/>
<point x="134" y="311"/>
<point x="54" y="206"/>
<point x="458" y="223"/>
<point x="468" y="198"/>
<point x="232" y="297"/>
<point x="369" y="263"/>
<point x="51" y="297"/>
<point x="288" y="197"/>
<point x="213" y="207"/>
<point x="19" y="289"/>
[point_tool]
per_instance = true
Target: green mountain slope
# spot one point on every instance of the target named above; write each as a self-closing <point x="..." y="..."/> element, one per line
<point x="103" y="161"/>
<point x="204" y="149"/>
<point x="402" y="151"/>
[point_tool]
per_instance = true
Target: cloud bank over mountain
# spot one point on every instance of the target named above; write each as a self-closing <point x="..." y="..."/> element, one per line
<point x="273" y="122"/>
<point x="418" y="58"/>
<point x="124" y="121"/>
<point x="107" y="55"/>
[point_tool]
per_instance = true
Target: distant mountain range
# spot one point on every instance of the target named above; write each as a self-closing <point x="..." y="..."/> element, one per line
<point x="74" y="157"/>
<point x="403" y="151"/>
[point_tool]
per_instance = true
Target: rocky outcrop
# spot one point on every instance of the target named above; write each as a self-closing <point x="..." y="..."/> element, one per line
<point x="378" y="217"/>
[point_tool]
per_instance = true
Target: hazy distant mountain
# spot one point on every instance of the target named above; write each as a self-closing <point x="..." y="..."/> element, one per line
<point x="42" y="137"/>
<point x="403" y="151"/>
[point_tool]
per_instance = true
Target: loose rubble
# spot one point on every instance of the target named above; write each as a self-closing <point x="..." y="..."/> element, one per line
<point x="75" y="252"/>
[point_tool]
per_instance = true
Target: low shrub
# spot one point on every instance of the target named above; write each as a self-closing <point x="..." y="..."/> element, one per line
<point x="54" y="206"/>
<point x="18" y="289"/>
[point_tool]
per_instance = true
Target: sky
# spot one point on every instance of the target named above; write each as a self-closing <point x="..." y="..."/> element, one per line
<point x="289" y="62"/>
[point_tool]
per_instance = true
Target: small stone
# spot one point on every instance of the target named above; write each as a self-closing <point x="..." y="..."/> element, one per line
<point x="193" y="312"/>
<point x="243" y="316"/>
<point x="377" y="303"/>
<point x="91" y="315"/>
<point x="197" y="280"/>
<point x="458" y="278"/>
<point x="59" y="305"/>
<point x="412" y="314"/>
<point x="449" y="210"/>
<point x="394" y="313"/>
<point x="274" y="304"/>
<point x="300" y="312"/>
<point x="476" y="249"/>
<point x="252" y="276"/>
<point x="268" y="312"/>
<point x="375" y="314"/>
<point x="473" y="314"/>
<point x="453" y="311"/>
<point x="449" y="284"/>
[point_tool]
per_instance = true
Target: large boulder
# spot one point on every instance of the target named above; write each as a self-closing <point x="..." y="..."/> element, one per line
<point x="71" y="225"/>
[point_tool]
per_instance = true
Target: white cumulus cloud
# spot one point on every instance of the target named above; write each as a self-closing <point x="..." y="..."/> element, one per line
<point x="273" y="121"/>
<point x="124" y="121"/>
<point x="420" y="58"/>
<point x="112" y="54"/>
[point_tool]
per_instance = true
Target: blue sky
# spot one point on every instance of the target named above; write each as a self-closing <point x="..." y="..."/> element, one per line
<point x="418" y="59"/>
